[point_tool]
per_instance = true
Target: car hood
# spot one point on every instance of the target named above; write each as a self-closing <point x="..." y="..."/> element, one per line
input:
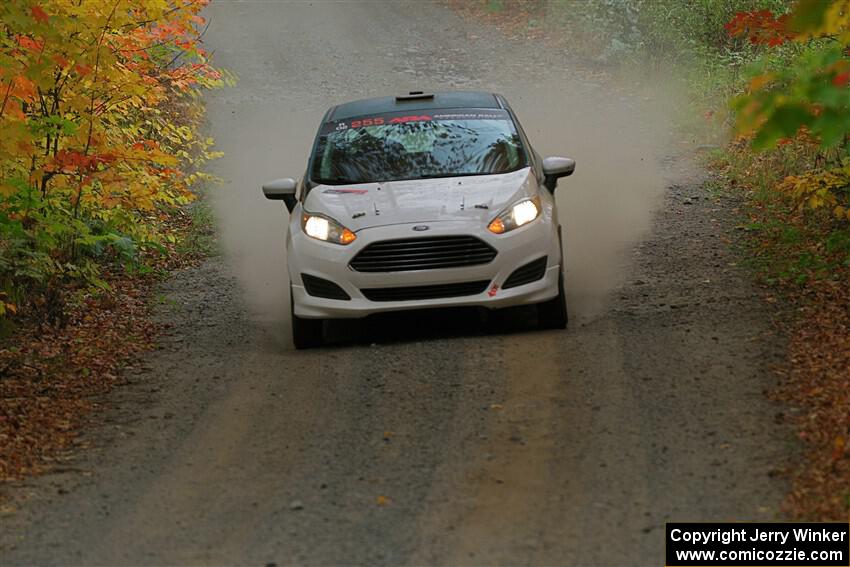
<point x="365" y="205"/>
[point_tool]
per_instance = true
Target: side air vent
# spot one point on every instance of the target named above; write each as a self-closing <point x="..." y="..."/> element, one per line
<point x="318" y="287"/>
<point x="527" y="273"/>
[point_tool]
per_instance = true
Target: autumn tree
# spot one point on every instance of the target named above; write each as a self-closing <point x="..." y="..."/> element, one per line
<point x="806" y="97"/>
<point x="99" y="113"/>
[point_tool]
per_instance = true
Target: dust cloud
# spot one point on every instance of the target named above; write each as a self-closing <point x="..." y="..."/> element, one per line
<point x="620" y="137"/>
<point x="266" y="123"/>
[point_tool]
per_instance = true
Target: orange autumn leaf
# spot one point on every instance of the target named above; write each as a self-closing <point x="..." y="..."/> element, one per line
<point x="39" y="14"/>
<point x="29" y="43"/>
<point x="15" y="111"/>
<point x="23" y="88"/>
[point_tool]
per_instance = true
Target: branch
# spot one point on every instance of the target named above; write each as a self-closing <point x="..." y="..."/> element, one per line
<point x="6" y="96"/>
<point x="94" y="80"/>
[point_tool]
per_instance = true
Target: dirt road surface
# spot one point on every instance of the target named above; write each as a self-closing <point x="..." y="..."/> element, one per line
<point x="426" y="438"/>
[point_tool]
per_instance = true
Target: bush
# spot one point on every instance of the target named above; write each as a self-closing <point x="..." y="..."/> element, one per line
<point x="99" y="108"/>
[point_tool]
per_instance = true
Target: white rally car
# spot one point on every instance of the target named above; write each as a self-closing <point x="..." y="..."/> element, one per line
<point x="421" y="201"/>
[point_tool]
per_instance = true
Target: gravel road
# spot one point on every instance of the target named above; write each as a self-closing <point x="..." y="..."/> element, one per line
<point x="425" y="438"/>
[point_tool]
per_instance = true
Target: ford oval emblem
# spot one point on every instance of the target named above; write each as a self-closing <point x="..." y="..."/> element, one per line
<point x="421" y="227"/>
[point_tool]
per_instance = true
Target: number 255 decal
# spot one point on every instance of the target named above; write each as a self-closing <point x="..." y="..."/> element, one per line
<point x="379" y="121"/>
<point x="367" y="122"/>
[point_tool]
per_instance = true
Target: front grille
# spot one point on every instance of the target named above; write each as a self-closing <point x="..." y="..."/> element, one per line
<point x="528" y="273"/>
<point x="425" y="291"/>
<point x="318" y="287"/>
<point x="423" y="254"/>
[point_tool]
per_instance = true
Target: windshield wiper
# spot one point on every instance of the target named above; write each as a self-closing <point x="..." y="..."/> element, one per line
<point x="338" y="181"/>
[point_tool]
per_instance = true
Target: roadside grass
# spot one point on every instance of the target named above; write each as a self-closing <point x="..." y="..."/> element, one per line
<point x="786" y="246"/>
<point x="200" y="240"/>
<point x="52" y="372"/>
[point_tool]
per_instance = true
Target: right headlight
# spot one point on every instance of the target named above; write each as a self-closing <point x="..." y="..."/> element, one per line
<point x="326" y="229"/>
<point x="519" y="214"/>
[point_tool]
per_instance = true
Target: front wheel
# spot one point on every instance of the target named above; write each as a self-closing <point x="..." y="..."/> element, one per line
<point x="552" y="314"/>
<point x="306" y="333"/>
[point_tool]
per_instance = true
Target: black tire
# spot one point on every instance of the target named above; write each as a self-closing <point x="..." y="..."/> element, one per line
<point x="552" y="314"/>
<point x="306" y="333"/>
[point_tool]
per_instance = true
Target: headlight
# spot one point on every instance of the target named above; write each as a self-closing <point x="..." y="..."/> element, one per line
<point x="326" y="229"/>
<point x="519" y="214"/>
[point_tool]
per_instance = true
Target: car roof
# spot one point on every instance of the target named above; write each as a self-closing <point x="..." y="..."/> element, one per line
<point x="415" y="100"/>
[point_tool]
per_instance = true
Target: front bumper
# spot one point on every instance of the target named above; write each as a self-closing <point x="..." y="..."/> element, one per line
<point x="331" y="262"/>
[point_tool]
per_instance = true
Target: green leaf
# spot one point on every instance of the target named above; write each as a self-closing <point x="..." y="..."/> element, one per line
<point x="784" y="122"/>
<point x="831" y="127"/>
<point x="809" y="15"/>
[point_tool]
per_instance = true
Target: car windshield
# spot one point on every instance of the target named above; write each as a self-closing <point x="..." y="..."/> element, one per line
<point x="392" y="148"/>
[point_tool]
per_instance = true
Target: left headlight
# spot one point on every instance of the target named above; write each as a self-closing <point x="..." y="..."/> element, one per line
<point x="519" y="214"/>
<point x="326" y="229"/>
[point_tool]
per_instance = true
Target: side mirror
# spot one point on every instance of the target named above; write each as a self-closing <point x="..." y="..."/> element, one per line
<point x="555" y="168"/>
<point x="282" y="190"/>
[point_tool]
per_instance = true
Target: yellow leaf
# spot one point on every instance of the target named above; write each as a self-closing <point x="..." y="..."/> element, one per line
<point x="757" y="83"/>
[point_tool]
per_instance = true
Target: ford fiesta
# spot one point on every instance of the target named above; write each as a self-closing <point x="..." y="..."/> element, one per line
<point x="421" y="201"/>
